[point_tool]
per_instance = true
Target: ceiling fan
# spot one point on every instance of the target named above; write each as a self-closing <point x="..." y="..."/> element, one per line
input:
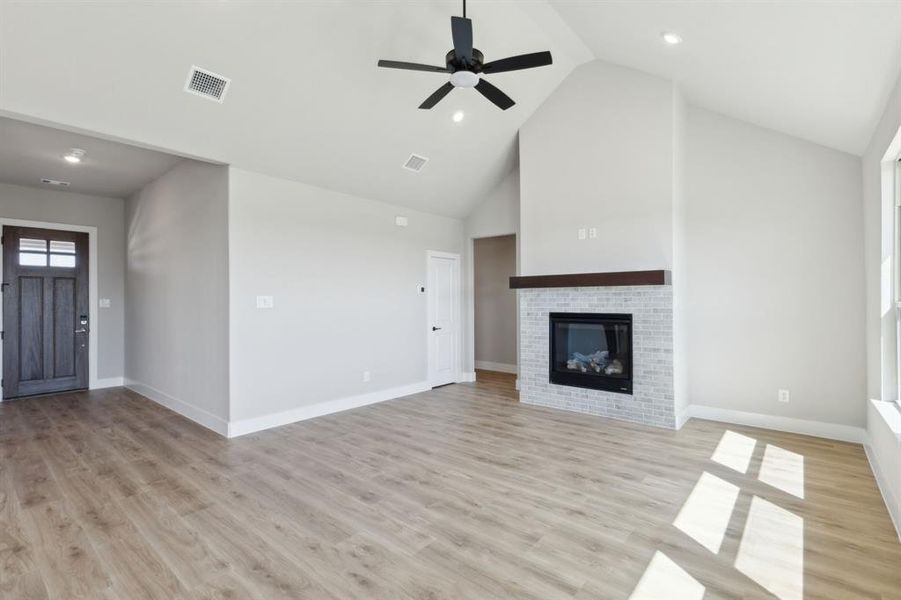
<point x="465" y="64"/>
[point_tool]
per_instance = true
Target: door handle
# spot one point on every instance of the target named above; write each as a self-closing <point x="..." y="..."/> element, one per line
<point x="82" y="330"/>
<point x="435" y="328"/>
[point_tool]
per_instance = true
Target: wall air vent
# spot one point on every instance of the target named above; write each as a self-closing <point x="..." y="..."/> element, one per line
<point x="55" y="182"/>
<point x="415" y="163"/>
<point x="206" y="84"/>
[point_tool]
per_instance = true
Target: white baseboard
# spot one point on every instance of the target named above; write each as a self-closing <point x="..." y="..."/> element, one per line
<point x="891" y="503"/>
<point x="467" y="377"/>
<point x="198" y="415"/>
<point x="682" y="417"/>
<point x="516" y="384"/>
<point x="832" y="431"/>
<point x="108" y="382"/>
<point x="487" y="365"/>
<point x="245" y="426"/>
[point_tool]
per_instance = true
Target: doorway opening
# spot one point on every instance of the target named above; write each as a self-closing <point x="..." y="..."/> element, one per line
<point x="494" y="305"/>
<point x="47" y="346"/>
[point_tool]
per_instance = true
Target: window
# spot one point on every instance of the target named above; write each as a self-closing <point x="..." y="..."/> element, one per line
<point x="896" y="272"/>
<point x="41" y="253"/>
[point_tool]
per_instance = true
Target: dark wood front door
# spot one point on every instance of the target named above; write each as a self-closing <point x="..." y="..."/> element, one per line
<point x="45" y="311"/>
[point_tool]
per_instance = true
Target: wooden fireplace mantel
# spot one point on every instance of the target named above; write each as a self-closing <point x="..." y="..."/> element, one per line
<point x="592" y="279"/>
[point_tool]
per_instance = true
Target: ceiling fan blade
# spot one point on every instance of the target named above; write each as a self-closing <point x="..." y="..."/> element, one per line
<point x="408" y="66"/>
<point x="499" y="98"/>
<point x="461" y="29"/>
<point x="515" y="63"/>
<point x="437" y="96"/>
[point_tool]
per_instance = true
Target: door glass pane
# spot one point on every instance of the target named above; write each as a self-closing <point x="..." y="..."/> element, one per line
<point x="62" y="260"/>
<point x="32" y="259"/>
<point x="62" y="247"/>
<point x="31" y="245"/>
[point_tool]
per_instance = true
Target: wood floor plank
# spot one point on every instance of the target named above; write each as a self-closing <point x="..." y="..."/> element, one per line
<point x="457" y="493"/>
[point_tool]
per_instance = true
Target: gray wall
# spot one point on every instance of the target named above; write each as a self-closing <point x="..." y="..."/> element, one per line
<point x="494" y="261"/>
<point x="497" y="215"/>
<point x="176" y="323"/>
<point x="344" y="281"/>
<point x="598" y="153"/>
<point x="773" y="274"/>
<point x="107" y="215"/>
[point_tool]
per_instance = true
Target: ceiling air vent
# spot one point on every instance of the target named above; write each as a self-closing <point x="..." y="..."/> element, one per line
<point x="415" y="163"/>
<point x="206" y="84"/>
<point x="55" y="182"/>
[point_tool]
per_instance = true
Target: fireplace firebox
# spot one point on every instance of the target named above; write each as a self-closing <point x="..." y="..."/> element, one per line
<point x="591" y="350"/>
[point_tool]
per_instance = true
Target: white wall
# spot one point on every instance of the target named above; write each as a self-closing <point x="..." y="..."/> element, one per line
<point x="494" y="261"/>
<point x="772" y="273"/>
<point x="344" y="280"/>
<point x="680" y="258"/>
<point x="176" y="319"/>
<point x="598" y="153"/>
<point x="884" y="423"/>
<point x="878" y="223"/>
<point x="107" y="215"/>
<point x="499" y="213"/>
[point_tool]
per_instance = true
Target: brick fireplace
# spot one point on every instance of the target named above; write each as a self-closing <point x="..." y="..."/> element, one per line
<point x="650" y="305"/>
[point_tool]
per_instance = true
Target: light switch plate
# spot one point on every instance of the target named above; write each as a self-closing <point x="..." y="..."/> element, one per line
<point x="265" y="302"/>
<point x="401" y="221"/>
<point x="104" y="303"/>
<point x="582" y="234"/>
<point x="593" y="232"/>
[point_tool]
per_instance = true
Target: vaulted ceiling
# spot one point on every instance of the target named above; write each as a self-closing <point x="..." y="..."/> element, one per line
<point x="821" y="70"/>
<point x="308" y="103"/>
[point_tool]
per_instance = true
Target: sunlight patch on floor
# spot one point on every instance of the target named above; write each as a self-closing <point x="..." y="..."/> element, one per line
<point x="665" y="579"/>
<point x="705" y="515"/>
<point x="735" y="451"/>
<point x="783" y="469"/>
<point x="772" y="550"/>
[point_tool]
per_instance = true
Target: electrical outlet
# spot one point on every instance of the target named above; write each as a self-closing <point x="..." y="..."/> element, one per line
<point x="366" y="376"/>
<point x="104" y="303"/>
<point x="784" y="396"/>
<point x="265" y="302"/>
<point x="582" y="234"/>
<point x="593" y="232"/>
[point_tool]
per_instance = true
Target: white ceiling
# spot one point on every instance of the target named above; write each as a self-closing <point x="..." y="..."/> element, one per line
<point x="306" y="101"/>
<point x="29" y="153"/>
<point x="819" y="70"/>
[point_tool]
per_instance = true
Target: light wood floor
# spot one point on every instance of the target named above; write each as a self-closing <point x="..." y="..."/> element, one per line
<point x="460" y="492"/>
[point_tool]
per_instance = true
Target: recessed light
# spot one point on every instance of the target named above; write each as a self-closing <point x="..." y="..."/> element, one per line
<point x="671" y="38"/>
<point x="458" y="116"/>
<point x="74" y="156"/>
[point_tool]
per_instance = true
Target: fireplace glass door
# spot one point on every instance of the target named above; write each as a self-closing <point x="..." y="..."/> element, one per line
<point x="591" y="350"/>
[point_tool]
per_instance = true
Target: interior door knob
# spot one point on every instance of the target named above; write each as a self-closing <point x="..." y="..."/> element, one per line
<point x="82" y="330"/>
<point x="435" y="328"/>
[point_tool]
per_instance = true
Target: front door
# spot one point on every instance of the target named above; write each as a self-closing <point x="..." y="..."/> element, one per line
<point x="443" y="298"/>
<point x="45" y="311"/>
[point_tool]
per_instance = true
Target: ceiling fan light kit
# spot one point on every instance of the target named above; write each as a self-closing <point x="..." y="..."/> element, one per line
<point x="465" y="65"/>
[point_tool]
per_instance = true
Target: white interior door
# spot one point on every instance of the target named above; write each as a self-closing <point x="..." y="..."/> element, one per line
<point x="443" y="311"/>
